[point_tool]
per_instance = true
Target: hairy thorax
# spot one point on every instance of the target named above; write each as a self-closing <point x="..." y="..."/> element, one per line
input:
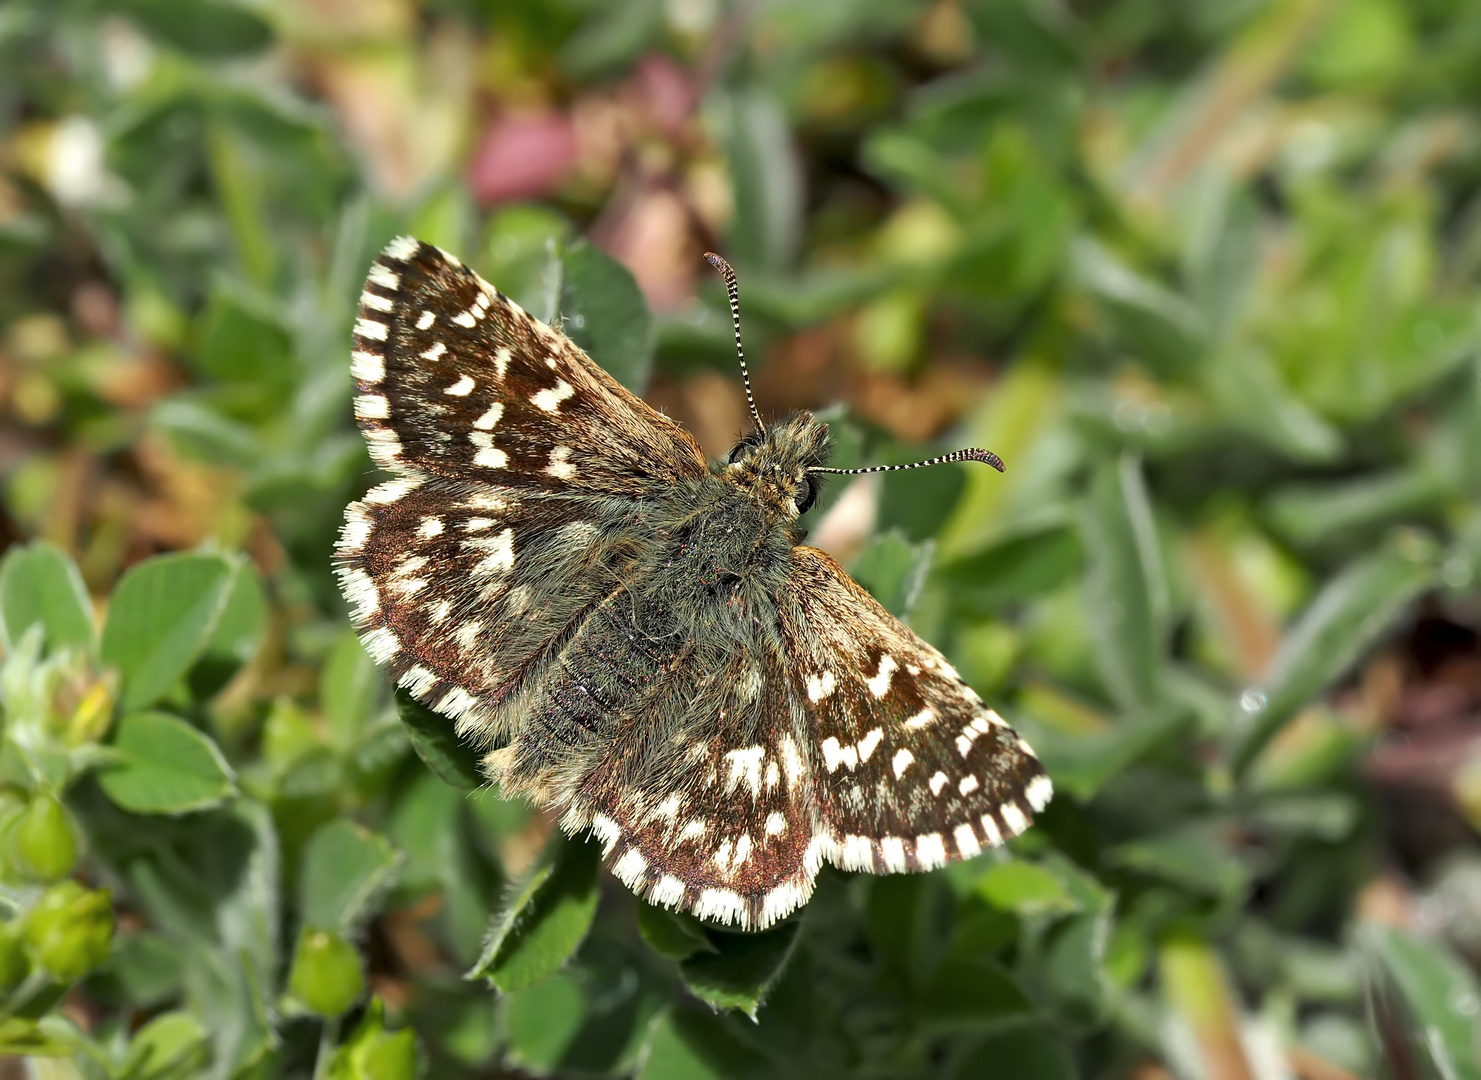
<point x="724" y="558"/>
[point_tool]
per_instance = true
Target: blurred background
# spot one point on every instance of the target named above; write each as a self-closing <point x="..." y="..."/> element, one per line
<point x="1206" y="276"/>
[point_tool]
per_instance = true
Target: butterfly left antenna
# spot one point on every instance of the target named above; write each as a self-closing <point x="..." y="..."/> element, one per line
<point x="734" y="290"/>
<point x="970" y="454"/>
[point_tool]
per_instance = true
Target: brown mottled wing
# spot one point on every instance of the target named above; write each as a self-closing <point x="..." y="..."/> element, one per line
<point x="461" y="589"/>
<point x="518" y="465"/>
<point x="911" y="769"/>
<point x="455" y="379"/>
<point x="721" y="819"/>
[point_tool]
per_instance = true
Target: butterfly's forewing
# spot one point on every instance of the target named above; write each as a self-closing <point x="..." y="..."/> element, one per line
<point x="516" y="463"/>
<point x="912" y="769"/>
<point x="455" y="379"/>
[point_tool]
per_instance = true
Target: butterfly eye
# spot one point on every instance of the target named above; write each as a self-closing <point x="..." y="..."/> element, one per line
<point x="809" y="496"/>
<point x="738" y="451"/>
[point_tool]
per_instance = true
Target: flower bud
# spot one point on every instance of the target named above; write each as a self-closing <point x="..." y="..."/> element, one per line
<point x="43" y="846"/>
<point x="373" y="1053"/>
<point x="70" y="930"/>
<point x="327" y="977"/>
<point x="389" y="1055"/>
<point x="94" y="713"/>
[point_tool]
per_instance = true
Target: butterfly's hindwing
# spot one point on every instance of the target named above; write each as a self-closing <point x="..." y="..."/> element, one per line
<point x="914" y="771"/>
<point x="455" y="379"/>
<point x="715" y="815"/>
<point x="461" y="589"/>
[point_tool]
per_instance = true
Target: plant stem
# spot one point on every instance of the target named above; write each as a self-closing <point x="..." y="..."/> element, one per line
<point x="328" y="1043"/>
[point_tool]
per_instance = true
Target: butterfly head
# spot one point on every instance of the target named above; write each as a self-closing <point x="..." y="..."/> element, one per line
<point x="777" y="465"/>
<point x="780" y="466"/>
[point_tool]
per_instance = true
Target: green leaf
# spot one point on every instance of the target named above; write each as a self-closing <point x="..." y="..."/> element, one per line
<point x="584" y="1021"/>
<point x="545" y="918"/>
<point x="228" y="996"/>
<point x="39" y="583"/>
<point x="234" y="641"/>
<point x="162" y="614"/>
<point x="143" y="970"/>
<point x="765" y="180"/>
<point x="741" y="969"/>
<point x="1248" y="389"/>
<point x="1035" y="1051"/>
<point x="445" y="216"/>
<point x="171" y="1044"/>
<point x="247" y="917"/>
<point x="692" y="1046"/>
<point x="672" y="934"/>
<point x="348" y="688"/>
<point x="1081" y="763"/>
<point x="612" y="39"/>
<point x="1312" y="514"/>
<point x="522" y="257"/>
<point x="1072" y="967"/>
<point x="918" y="501"/>
<point x="435" y="739"/>
<point x="208" y="28"/>
<point x="1195" y="857"/>
<point x="1016" y="568"/>
<point x="344" y="866"/>
<point x="203" y="433"/>
<point x="1160" y="327"/>
<point x="1222" y="250"/>
<point x="1346" y="617"/>
<point x="1024" y="888"/>
<point x="1438" y="999"/>
<point x="893" y="570"/>
<point x="162" y="765"/>
<point x="243" y="342"/>
<point x="543" y="1020"/>
<point x="1126" y="590"/>
<point x="605" y="313"/>
<point x="965" y="992"/>
<point x="48" y="1037"/>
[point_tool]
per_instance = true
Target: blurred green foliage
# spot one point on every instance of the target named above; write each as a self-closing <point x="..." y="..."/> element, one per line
<point x="1206" y="275"/>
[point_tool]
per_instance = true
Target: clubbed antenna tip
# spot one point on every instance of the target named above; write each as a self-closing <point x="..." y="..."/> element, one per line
<point x="985" y="455"/>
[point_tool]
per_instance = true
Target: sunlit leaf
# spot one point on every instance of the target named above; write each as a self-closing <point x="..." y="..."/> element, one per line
<point x="344" y="866"/>
<point x="160" y="618"/>
<point x="162" y="765"/>
<point x="39" y="583"/>
<point x="544" y="918"/>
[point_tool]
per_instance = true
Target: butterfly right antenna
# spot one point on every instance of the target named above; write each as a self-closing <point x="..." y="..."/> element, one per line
<point x="970" y="454"/>
<point x="734" y="290"/>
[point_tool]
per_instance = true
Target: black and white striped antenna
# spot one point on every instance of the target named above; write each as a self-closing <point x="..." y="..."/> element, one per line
<point x="969" y="454"/>
<point x="734" y="290"/>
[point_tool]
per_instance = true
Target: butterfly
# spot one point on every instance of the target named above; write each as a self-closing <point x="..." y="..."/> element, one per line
<point x="632" y="633"/>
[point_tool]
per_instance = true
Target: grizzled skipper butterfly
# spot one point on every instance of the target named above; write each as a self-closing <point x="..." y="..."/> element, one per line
<point x="556" y="567"/>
